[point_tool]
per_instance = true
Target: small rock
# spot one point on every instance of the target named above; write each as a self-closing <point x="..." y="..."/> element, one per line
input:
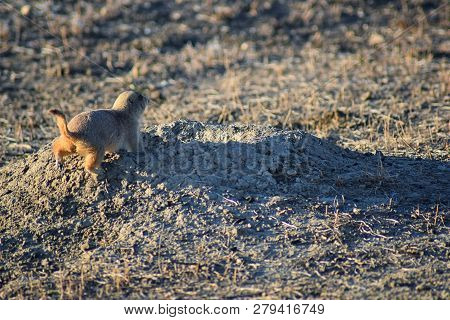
<point x="25" y="10"/>
<point x="291" y="172"/>
<point x="375" y="39"/>
<point x="366" y="96"/>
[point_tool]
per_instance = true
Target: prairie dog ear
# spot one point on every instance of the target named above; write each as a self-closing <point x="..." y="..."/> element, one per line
<point x="146" y="99"/>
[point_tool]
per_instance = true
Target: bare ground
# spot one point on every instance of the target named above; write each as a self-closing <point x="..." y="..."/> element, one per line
<point x="223" y="208"/>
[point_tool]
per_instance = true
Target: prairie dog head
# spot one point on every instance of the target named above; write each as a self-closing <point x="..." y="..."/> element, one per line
<point x="131" y="101"/>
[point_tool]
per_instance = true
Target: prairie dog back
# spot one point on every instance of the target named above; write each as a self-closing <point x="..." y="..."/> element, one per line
<point x="99" y="128"/>
<point x="92" y="133"/>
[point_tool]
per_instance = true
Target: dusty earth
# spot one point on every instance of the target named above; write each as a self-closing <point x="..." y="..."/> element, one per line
<point x="314" y="164"/>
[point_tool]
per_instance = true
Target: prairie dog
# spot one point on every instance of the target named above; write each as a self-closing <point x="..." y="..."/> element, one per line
<point x="92" y="133"/>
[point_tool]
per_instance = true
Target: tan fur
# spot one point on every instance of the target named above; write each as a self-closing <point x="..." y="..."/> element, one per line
<point x="92" y="133"/>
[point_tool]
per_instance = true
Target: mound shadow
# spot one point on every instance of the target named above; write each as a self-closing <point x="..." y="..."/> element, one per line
<point x="282" y="164"/>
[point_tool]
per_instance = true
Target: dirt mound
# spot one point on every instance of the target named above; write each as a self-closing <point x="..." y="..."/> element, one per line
<point x="186" y="153"/>
<point x="211" y="203"/>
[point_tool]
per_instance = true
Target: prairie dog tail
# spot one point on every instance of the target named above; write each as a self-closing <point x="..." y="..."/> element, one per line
<point x="61" y="122"/>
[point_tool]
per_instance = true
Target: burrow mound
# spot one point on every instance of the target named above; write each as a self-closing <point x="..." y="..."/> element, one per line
<point x="242" y="159"/>
<point x="183" y="154"/>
